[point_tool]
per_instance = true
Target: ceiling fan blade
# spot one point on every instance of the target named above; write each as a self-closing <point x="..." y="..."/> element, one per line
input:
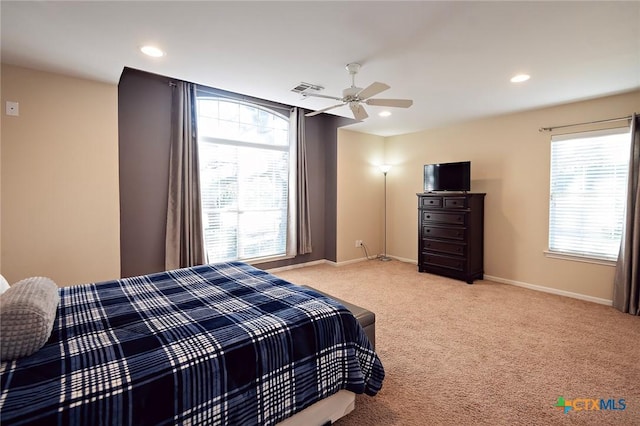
<point x="372" y="90"/>
<point x="399" y="103"/>
<point x="358" y="110"/>
<point x="315" y="95"/>
<point x="320" y="111"/>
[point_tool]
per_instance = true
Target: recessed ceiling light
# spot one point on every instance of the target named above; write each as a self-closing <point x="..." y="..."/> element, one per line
<point x="384" y="113"/>
<point x="520" y="78"/>
<point x="152" y="51"/>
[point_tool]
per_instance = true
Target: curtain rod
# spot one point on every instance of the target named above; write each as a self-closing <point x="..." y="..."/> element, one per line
<point x="238" y="97"/>
<point x="609" y="120"/>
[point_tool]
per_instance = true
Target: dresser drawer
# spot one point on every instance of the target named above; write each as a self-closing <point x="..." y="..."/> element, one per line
<point x="455" y="202"/>
<point x="430" y="202"/>
<point x="455" y="218"/>
<point x="444" y="247"/>
<point x="440" y="232"/>
<point x="456" y="263"/>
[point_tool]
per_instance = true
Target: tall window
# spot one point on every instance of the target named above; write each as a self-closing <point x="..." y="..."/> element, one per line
<point x="588" y="183"/>
<point x="244" y="170"/>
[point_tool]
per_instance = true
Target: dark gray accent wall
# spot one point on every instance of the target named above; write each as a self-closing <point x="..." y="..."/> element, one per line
<point x="331" y="182"/>
<point x="331" y="193"/>
<point x="144" y="129"/>
<point x="321" y="137"/>
<point x="144" y="113"/>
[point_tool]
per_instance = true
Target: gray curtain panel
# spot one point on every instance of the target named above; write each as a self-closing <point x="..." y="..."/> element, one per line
<point x="626" y="285"/>
<point x="184" y="239"/>
<point x="303" y="213"/>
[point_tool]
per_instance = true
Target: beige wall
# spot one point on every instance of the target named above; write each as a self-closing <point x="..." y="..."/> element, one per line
<point x="59" y="208"/>
<point x="510" y="162"/>
<point x="60" y="205"/>
<point x="360" y="196"/>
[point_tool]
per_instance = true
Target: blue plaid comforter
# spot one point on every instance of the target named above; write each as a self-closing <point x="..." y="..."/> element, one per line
<point x="213" y="344"/>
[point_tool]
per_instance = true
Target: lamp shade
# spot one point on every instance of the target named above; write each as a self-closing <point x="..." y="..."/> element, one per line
<point x="384" y="168"/>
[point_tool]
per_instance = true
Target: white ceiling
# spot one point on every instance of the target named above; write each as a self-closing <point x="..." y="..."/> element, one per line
<point x="454" y="59"/>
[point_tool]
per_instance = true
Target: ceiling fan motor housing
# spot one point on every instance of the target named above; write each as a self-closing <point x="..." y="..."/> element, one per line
<point x="350" y="93"/>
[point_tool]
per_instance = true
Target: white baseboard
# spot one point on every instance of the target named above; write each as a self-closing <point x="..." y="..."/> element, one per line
<point x="349" y="262"/>
<point x="329" y="262"/>
<point x="550" y="290"/>
<point x="362" y="259"/>
<point x="316" y="262"/>
<point x="487" y="277"/>
<point x="404" y="259"/>
<point x="298" y="265"/>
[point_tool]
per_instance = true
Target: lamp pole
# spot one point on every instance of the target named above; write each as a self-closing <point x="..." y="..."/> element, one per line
<point x="385" y="168"/>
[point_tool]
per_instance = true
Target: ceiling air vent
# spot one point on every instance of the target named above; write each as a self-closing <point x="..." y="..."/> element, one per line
<point x="304" y="88"/>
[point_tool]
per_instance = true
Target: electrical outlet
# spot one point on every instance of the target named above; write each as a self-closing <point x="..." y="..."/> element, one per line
<point x="358" y="243"/>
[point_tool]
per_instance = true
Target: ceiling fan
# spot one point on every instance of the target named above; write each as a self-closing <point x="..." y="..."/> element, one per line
<point x="356" y="96"/>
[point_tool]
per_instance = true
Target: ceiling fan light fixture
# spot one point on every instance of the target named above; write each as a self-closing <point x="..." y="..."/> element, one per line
<point x="384" y="113"/>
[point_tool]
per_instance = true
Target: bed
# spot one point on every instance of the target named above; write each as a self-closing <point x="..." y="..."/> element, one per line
<point x="214" y="344"/>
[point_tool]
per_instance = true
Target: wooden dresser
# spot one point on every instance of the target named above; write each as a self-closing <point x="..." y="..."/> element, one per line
<point x="451" y="234"/>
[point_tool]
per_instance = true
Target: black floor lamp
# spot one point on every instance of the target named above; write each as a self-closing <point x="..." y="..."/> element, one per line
<point x="385" y="168"/>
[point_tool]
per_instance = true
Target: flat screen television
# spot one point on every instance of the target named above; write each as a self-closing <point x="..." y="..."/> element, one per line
<point x="447" y="177"/>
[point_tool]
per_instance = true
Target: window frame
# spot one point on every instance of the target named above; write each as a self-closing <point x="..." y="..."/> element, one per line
<point x="576" y="255"/>
<point x="291" y="147"/>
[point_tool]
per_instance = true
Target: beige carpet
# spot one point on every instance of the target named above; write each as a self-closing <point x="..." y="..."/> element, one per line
<point x="487" y="353"/>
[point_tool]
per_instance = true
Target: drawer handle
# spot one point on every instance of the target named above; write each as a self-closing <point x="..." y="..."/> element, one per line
<point x="428" y="245"/>
<point x="459" y="218"/>
<point x="430" y="201"/>
<point x="428" y="230"/>
<point x="428" y="216"/>
<point x="455" y="202"/>
<point x="458" y="249"/>
<point x="458" y="234"/>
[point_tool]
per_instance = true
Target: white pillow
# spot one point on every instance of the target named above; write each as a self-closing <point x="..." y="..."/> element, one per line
<point x="4" y="285"/>
<point x="27" y="313"/>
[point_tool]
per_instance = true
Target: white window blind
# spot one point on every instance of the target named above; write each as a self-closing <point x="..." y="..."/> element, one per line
<point x="244" y="171"/>
<point x="588" y="191"/>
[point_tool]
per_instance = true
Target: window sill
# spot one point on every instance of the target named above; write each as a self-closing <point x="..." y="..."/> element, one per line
<point x="580" y="258"/>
